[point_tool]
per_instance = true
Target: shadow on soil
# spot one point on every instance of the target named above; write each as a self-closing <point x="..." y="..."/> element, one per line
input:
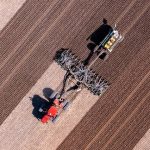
<point x="37" y="102"/>
<point x="47" y="92"/>
<point x="99" y="34"/>
<point x="96" y="38"/>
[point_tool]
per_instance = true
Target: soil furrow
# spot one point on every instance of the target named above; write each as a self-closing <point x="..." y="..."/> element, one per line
<point x="133" y="130"/>
<point x="42" y="56"/>
<point x="25" y="23"/>
<point x="108" y="103"/>
<point x="124" y="113"/>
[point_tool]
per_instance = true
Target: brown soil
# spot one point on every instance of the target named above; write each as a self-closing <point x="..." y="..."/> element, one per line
<point x="29" y="42"/>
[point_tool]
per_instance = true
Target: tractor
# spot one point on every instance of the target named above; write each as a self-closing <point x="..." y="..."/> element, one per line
<point x="52" y="113"/>
<point x="81" y="73"/>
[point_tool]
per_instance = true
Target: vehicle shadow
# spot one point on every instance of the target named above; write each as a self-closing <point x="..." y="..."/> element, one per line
<point x="37" y="102"/>
<point x="47" y="92"/>
<point x="96" y="38"/>
<point x="100" y="33"/>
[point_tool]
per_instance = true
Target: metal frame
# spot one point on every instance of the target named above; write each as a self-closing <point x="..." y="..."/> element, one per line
<point x="83" y="74"/>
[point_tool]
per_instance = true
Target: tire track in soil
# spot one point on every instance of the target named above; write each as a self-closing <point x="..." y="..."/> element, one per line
<point x="103" y="131"/>
<point x="134" y="39"/>
<point x="24" y="78"/>
<point x="22" y="49"/>
<point x="134" y="129"/>
<point x="120" y="116"/>
<point x="134" y="112"/>
<point x="22" y="31"/>
<point x="90" y="125"/>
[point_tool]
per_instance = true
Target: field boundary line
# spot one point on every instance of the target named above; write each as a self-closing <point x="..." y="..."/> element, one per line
<point x="130" y="116"/>
<point x="26" y="36"/>
<point x="39" y="40"/>
<point x="118" y="110"/>
<point x="11" y="21"/>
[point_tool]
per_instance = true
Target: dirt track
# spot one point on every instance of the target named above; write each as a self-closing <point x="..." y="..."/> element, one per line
<point x="117" y="120"/>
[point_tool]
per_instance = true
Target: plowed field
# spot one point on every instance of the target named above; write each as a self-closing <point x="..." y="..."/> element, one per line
<point x="115" y="121"/>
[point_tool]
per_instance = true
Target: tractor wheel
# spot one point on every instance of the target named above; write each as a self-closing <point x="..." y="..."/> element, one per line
<point x="55" y="119"/>
<point x="66" y="106"/>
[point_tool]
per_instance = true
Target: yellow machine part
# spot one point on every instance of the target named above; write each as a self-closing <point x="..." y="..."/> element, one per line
<point x="112" y="39"/>
<point x="107" y="46"/>
<point x="110" y="42"/>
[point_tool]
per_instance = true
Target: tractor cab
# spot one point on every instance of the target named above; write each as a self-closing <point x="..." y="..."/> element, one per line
<point x="51" y="113"/>
<point x="58" y="105"/>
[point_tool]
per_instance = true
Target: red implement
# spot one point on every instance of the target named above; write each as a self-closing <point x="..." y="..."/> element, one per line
<point x="45" y="119"/>
<point x="52" y="112"/>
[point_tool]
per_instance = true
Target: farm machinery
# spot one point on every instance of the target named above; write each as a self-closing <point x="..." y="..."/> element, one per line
<point x="105" y="38"/>
<point x="59" y="103"/>
<point x="53" y="111"/>
<point x="109" y="42"/>
<point x="81" y="73"/>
